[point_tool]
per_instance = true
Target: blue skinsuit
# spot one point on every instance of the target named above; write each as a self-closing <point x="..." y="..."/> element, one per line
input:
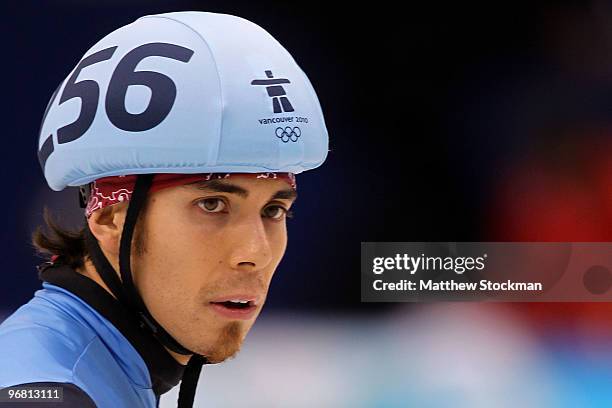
<point x="59" y="337"/>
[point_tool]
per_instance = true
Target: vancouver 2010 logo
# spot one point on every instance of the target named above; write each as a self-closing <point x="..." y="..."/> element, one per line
<point x="280" y="102"/>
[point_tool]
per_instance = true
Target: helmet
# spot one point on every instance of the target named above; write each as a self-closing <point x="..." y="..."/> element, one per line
<point x="184" y="93"/>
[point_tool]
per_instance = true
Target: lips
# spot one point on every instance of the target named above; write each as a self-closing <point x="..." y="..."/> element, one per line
<point x="237" y="306"/>
<point x="240" y="297"/>
<point x="230" y="311"/>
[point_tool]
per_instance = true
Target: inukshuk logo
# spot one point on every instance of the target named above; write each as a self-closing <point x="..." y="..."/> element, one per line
<point x="280" y="102"/>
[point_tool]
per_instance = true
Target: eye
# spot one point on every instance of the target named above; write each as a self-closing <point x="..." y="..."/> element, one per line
<point x="211" y="205"/>
<point x="278" y="212"/>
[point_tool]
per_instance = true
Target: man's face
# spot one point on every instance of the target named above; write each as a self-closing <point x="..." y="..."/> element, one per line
<point x="201" y="244"/>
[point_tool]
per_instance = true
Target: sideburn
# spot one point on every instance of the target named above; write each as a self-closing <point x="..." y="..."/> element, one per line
<point x="139" y="238"/>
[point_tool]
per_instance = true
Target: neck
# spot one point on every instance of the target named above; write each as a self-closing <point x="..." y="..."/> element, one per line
<point x="90" y="271"/>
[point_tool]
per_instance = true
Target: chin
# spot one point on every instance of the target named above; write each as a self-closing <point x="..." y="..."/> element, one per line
<point x="222" y="353"/>
<point x="227" y="344"/>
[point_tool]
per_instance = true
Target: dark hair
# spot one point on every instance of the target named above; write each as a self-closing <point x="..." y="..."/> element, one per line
<point x="70" y="245"/>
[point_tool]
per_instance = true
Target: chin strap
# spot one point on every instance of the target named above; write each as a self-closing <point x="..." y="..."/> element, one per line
<point x="126" y="293"/>
<point x="190" y="380"/>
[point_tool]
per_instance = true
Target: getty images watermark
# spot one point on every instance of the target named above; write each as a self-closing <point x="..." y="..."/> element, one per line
<point x="419" y="271"/>
<point x="457" y="264"/>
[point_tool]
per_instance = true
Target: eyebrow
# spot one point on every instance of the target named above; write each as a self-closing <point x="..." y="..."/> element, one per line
<point x="224" y="187"/>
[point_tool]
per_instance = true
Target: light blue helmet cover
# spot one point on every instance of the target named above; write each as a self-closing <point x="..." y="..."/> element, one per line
<point x="183" y="92"/>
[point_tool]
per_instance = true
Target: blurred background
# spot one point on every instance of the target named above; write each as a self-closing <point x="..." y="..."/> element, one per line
<point x="460" y="123"/>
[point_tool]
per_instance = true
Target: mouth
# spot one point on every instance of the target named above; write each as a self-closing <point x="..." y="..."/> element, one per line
<point x="235" y="307"/>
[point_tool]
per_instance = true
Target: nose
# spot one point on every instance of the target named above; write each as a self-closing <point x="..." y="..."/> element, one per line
<point x="251" y="249"/>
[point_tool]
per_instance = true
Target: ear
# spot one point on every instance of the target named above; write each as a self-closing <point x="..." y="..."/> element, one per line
<point x="106" y="225"/>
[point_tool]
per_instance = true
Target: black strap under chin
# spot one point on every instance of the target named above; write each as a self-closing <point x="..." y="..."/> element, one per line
<point x="189" y="382"/>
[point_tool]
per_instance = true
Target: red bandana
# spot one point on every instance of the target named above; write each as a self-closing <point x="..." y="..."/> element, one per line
<point x="116" y="189"/>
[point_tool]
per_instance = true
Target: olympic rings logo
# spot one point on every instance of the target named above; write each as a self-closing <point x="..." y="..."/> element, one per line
<point x="288" y="133"/>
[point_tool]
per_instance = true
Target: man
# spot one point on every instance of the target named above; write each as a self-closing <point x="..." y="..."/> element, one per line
<point x="189" y="166"/>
